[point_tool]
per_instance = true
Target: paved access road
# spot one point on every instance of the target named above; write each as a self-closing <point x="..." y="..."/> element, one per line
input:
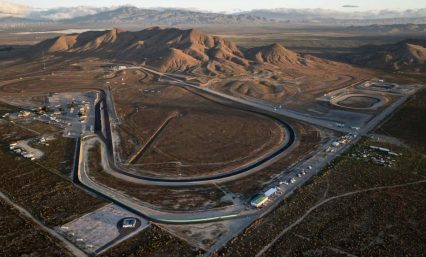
<point x="317" y="161"/>
<point x="255" y="103"/>
<point x="103" y="123"/>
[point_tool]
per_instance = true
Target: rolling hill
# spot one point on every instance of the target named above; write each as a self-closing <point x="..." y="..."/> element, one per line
<point x="405" y="56"/>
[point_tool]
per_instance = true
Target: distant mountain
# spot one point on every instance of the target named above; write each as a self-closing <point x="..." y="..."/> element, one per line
<point x="62" y="13"/>
<point x="173" y="49"/>
<point x="405" y="56"/>
<point x="167" y="17"/>
<point x="11" y="20"/>
<point x="390" y="29"/>
<point x="340" y="18"/>
<point x="129" y="16"/>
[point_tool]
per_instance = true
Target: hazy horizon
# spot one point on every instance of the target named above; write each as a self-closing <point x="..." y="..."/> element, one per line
<point x="222" y="5"/>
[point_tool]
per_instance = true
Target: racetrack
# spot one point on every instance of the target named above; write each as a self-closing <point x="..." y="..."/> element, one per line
<point x="124" y="174"/>
<point x="359" y="101"/>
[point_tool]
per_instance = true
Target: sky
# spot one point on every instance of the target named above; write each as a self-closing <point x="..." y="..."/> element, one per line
<point x="237" y="5"/>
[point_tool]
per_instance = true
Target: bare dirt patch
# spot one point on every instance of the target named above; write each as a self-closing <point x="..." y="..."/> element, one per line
<point x="204" y="137"/>
<point x="207" y="143"/>
<point x="294" y="88"/>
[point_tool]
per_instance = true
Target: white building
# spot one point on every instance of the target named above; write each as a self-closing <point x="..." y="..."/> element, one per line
<point x="129" y="223"/>
<point x="270" y="191"/>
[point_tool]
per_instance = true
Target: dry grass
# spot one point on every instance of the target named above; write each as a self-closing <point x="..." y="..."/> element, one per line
<point x="59" y="155"/>
<point x="370" y="224"/>
<point x="21" y="237"/>
<point x="50" y="197"/>
<point x="163" y="197"/>
<point x="205" y="137"/>
<point x="40" y="127"/>
<point x="153" y="242"/>
<point x="409" y="123"/>
<point x="309" y="139"/>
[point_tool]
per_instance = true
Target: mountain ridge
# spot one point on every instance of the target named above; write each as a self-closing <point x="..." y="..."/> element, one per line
<point x="132" y="16"/>
<point x="168" y="49"/>
<point x="405" y="56"/>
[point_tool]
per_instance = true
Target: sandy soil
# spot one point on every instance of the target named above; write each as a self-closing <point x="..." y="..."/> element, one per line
<point x="204" y="136"/>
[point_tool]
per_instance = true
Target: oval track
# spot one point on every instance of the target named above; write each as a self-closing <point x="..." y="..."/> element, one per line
<point x="290" y="138"/>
